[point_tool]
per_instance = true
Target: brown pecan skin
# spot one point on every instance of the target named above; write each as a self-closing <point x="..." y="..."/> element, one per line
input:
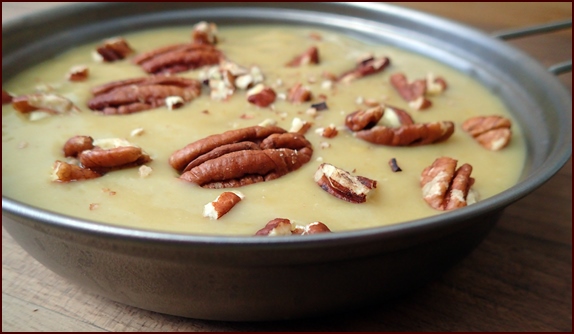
<point x="114" y="49"/>
<point x="310" y="56"/>
<point x="225" y="160"/>
<point x="178" y="58"/>
<point x="262" y="97"/>
<point x="65" y="172"/>
<point x="444" y="187"/>
<point x="77" y="145"/>
<point x="114" y="158"/>
<point x="492" y="132"/>
<point x="139" y="94"/>
<point x="408" y="135"/>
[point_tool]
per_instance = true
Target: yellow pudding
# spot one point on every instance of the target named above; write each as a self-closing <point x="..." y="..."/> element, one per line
<point x="159" y="200"/>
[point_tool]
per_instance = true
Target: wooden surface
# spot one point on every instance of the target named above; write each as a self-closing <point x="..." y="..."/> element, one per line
<point x="518" y="279"/>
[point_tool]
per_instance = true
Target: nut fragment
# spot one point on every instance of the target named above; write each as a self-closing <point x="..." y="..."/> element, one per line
<point x="204" y="33"/>
<point x="328" y="132"/>
<point x="50" y="103"/>
<point x="299" y="94"/>
<point x="241" y="157"/>
<point x="65" y="172"/>
<point x="364" y="68"/>
<point x="435" y="85"/>
<point x="364" y="119"/>
<point x="77" y="145"/>
<point x="282" y="226"/>
<point x="412" y="92"/>
<point x="394" y="166"/>
<point x="78" y="73"/>
<point x="310" y="56"/>
<point x="313" y="228"/>
<point x="444" y="187"/>
<point x="261" y="95"/>
<point x="343" y="184"/>
<point x="492" y="132"/>
<point x="114" y="49"/>
<point x="222" y="204"/>
<point x="300" y="126"/>
<point x="139" y="94"/>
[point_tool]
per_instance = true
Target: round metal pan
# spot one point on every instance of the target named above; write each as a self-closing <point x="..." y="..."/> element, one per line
<point x="239" y="278"/>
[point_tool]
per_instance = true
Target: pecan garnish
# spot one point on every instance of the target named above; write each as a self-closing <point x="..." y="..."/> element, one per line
<point x="364" y="119"/>
<point x="178" y="58"/>
<point x="492" y="132"/>
<point x="240" y="157"/>
<point x="412" y="92"/>
<point x="222" y="204"/>
<point x="283" y="226"/>
<point x="310" y="56"/>
<point x="78" y="73"/>
<point x="50" y="103"/>
<point x="113" y="49"/>
<point x="66" y="172"/>
<point x="365" y="67"/>
<point x="204" y="33"/>
<point x="112" y="154"/>
<point x="134" y="95"/>
<point x="408" y="135"/>
<point x="77" y="145"/>
<point x="394" y="165"/>
<point x="343" y="184"/>
<point x="435" y="85"/>
<point x="261" y="96"/>
<point x="330" y="131"/>
<point x="299" y="94"/>
<point x="444" y="187"/>
<point x="300" y="126"/>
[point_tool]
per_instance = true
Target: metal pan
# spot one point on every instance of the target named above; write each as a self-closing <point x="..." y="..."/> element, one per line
<point x="238" y="278"/>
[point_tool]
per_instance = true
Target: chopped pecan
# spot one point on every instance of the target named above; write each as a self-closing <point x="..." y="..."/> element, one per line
<point x="364" y="68"/>
<point x="222" y="204"/>
<point x="394" y="166"/>
<point x="77" y="145"/>
<point x="65" y="172"/>
<point x="113" y="49"/>
<point x="204" y="33"/>
<point x="138" y="94"/>
<point x="178" y="58"/>
<point x="78" y="73"/>
<point x="310" y="56"/>
<point x="435" y="85"/>
<point x="50" y="103"/>
<point x="261" y="95"/>
<point x="6" y="97"/>
<point x="275" y="227"/>
<point x="300" y="126"/>
<point x="408" y="135"/>
<point x="343" y="184"/>
<point x="240" y="157"/>
<point x="313" y="228"/>
<point x="299" y="94"/>
<point x="492" y="132"/>
<point x="412" y="92"/>
<point x="444" y="187"/>
<point x="328" y="132"/>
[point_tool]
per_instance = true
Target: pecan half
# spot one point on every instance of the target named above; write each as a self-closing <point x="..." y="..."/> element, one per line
<point x="222" y="204"/>
<point x="50" y="103"/>
<point x="65" y="172"/>
<point x="408" y="135"/>
<point x="444" y="187"/>
<point x="343" y="184"/>
<point x="139" y="94"/>
<point x="113" y="49"/>
<point x="106" y="154"/>
<point x="364" y="68"/>
<point x="178" y="58"/>
<point x="492" y="132"/>
<point x="310" y="56"/>
<point x="240" y="157"/>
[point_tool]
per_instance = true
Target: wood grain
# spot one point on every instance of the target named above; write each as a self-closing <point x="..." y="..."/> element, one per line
<point x="518" y="279"/>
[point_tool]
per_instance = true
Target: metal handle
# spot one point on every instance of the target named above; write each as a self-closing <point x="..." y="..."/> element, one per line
<point x="539" y="29"/>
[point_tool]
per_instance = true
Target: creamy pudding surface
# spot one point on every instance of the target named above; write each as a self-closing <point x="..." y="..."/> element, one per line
<point x="156" y="198"/>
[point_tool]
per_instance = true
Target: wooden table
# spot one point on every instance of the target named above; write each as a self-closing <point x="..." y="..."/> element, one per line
<point x="518" y="279"/>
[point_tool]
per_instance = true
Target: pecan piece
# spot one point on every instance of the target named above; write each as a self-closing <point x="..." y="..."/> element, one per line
<point x="50" y="103"/>
<point x="178" y="58"/>
<point x="366" y="67"/>
<point x="313" y="228"/>
<point x="342" y="184"/>
<point x="65" y="172"/>
<point x="261" y="95"/>
<point x="364" y="119"/>
<point x="109" y="154"/>
<point x="282" y="226"/>
<point x="222" y="204"/>
<point x="139" y="94"/>
<point x="444" y="187"/>
<point x="412" y="92"/>
<point x="310" y="56"/>
<point x="492" y="132"/>
<point x="299" y="94"/>
<point x="408" y="135"/>
<point x="78" y="73"/>
<point x="204" y="33"/>
<point x="228" y="160"/>
<point x="77" y="145"/>
<point x="113" y="49"/>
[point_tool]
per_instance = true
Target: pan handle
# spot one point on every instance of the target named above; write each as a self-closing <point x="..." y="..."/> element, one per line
<point x="556" y="69"/>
